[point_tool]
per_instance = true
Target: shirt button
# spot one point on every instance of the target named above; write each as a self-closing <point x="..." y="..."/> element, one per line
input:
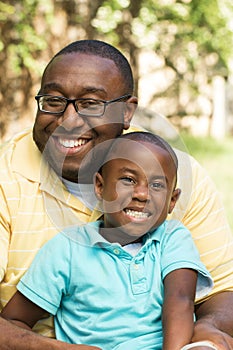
<point x="116" y="251"/>
<point x="136" y="267"/>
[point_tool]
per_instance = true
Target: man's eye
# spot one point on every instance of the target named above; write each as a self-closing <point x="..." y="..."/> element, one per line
<point x="90" y="104"/>
<point x="52" y="101"/>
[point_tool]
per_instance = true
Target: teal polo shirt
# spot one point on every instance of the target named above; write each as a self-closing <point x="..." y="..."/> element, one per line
<point x="102" y="295"/>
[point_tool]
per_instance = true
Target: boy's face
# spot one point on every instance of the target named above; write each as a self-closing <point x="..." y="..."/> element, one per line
<point x="137" y="190"/>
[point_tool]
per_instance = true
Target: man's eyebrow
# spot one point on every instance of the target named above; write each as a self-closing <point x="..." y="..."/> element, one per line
<point x="85" y="89"/>
<point x="94" y="89"/>
<point x="52" y="86"/>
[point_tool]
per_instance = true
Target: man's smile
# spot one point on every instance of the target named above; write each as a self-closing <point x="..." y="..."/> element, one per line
<point x="71" y="144"/>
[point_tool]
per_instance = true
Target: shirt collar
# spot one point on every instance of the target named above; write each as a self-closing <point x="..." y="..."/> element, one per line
<point x="34" y="168"/>
<point x="89" y="235"/>
<point x="30" y="165"/>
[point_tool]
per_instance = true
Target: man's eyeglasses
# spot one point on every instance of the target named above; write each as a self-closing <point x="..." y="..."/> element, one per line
<point x="87" y="107"/>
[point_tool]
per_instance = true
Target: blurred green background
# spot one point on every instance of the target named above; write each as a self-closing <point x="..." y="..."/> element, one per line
<point x="217" y="158"/>
<point x="181" y="55"/>
<point x="180" y="51"/>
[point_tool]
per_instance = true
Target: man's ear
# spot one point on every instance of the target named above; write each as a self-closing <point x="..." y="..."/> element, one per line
<point x="98" y="183"/>
<point x="130" y="107"/>
<point x="175" y="196"/>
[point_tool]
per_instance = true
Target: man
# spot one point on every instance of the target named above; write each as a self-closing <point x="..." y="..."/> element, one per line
<point x="86" y="99"/>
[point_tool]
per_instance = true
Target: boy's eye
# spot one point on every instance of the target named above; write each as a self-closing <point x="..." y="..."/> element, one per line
<point x="127" y="180"/>
<point x="158" y="185"/>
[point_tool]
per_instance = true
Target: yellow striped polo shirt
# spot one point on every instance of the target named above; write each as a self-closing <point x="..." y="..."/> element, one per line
<point x="35" y="205"/>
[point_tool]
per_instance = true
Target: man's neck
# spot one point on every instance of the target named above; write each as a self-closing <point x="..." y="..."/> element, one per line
<point x="84" y="192"/>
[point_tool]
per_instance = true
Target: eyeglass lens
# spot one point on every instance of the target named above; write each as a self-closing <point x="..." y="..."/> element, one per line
<point x="54" y="104"/>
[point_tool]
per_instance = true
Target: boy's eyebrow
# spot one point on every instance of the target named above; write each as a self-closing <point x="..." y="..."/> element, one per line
<point x="129" y="170"/>
<point x="161" y="177"/>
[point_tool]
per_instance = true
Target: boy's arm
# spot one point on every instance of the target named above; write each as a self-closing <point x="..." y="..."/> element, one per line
<point x="178" y="308"/>
<point x="22" y="313"/>
<point x="16" y="338"/>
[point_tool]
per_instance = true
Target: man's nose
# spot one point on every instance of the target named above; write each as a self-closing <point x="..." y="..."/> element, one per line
<point x="70" y="119"/>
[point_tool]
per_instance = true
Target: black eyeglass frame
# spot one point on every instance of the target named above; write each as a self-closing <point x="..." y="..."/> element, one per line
<point x="73" y="101"/>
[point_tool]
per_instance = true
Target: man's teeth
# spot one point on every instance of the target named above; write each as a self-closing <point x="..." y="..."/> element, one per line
<point x="136" y="214"/>
<point x="72" y="143"/>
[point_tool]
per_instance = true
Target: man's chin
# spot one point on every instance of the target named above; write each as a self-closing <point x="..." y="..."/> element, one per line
<point x="66" y="172"/>
<point x="71" y="168"/>
<point x="72" y="172"/>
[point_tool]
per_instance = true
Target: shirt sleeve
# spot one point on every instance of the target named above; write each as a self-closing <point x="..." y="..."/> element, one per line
<point x="8" y="206"/>
<point x="201" y="210"/>
<point x="4" y="234"/>
<point x="179" y="251"/>
<point x="47" y="279"/>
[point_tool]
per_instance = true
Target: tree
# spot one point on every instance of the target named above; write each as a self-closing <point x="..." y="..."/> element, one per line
<point x="20" y="47"/>
<point x="190" y="37"/>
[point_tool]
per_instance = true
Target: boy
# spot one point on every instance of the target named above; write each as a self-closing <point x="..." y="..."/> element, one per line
<point x="126" y="282"/>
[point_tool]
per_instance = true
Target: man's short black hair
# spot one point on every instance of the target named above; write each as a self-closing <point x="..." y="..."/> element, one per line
<point x="105" y="50"/>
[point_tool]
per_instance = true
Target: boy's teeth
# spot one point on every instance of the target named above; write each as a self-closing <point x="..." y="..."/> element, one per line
<point x="72" y="143"/>
<point x="136" y="214"/>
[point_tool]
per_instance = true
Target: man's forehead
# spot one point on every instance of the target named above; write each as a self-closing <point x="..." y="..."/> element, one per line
<point x="77" y="58"/>
<point x="94" y="71"/>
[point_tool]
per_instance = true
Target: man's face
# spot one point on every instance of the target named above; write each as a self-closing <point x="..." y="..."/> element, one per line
<point x="66" y="139"/>
<point x="137" y="191"/>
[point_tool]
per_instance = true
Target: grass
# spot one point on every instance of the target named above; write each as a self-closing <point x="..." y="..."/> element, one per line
<point x="216" y="156"/>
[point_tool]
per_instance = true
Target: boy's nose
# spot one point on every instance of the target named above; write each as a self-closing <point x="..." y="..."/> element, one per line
<point x="141" y="192"/>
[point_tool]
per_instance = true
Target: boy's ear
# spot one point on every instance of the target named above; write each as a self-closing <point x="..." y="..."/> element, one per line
<point x="98" y="183"/>
<point x="175" y="196"/>
<point x="130" y="107"/>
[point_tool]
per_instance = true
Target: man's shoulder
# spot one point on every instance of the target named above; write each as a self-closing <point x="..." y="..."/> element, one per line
<point x="16" y="140"/>
<point x="182" y="154"/>
<point x="20" y="155"/>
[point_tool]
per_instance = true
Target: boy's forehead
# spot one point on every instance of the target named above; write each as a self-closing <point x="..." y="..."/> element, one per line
<point x="136" y="150"/>
<point x="148" y="156"/>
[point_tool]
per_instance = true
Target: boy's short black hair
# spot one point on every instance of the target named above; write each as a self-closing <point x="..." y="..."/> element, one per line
<point x="149" y="137"/>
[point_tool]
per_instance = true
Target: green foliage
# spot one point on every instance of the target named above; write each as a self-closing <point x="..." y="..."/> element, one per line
<point x="215" y="156"/>
<point x="21" y="43"/>
<point x="178" y="23"/>
<point x="204" y="147"/>
<point x="191" y="36"/>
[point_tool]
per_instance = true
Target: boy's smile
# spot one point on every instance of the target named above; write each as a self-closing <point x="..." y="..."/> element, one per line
<point x="136" y="215"/>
